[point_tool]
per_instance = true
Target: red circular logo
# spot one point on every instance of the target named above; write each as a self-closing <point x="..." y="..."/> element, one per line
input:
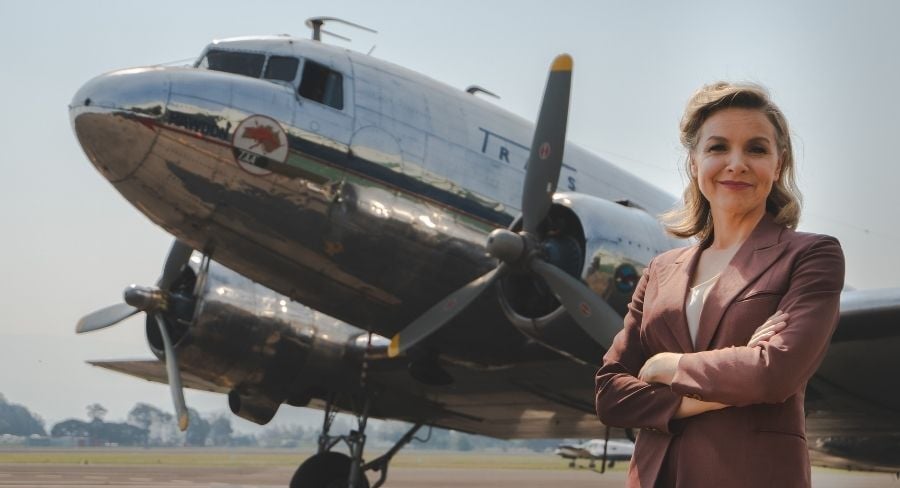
<point x="544" y="151"/>
<point x="585" y="309"/>
<point x="257" y="141"/>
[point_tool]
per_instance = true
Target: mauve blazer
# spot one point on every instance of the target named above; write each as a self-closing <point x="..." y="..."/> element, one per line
<point x="761" y="440"/>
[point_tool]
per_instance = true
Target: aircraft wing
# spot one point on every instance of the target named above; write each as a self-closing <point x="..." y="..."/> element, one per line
<point x="536" y="400"/>
<point x="851" y="404"/>
<point x="869" y="314"/>
<point x="540" y="399"/>
<point x="155" y="370"/>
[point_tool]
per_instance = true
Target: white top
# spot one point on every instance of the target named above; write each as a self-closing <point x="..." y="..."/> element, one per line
<point x="695" y="305"/>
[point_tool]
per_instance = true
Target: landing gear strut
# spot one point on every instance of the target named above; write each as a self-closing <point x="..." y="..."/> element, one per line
<point x="327" y="469"/>
<point x="605" y="445"/>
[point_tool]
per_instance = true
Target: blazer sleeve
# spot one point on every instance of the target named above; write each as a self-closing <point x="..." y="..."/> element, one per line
<point x="776" y="370"/>
<point x="621" y="399"/>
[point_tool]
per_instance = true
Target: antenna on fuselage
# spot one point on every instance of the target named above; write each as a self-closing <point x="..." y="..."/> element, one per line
<point x="473" y="89"/>
<point x="316" y="23"/>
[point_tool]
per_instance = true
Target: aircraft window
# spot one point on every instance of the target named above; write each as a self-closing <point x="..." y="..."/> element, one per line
<point x="322" y="84"/>
<point x="247" y="64"/>
<point x="282" y="68"/>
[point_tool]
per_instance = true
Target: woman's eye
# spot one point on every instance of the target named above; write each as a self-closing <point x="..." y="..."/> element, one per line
<point x="759" y="150"/>
<point x="716" y="148"/>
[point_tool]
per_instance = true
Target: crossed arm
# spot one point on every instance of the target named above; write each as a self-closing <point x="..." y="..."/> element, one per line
<point x="661" y="367"/>
<point x="635" y="391"/>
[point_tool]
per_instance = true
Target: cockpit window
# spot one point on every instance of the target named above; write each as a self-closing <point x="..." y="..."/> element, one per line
<point x="247" y="64"/>
<point x="318" y="83"/>
<point x="322" y="84"/>
<point x="282" y="68"/>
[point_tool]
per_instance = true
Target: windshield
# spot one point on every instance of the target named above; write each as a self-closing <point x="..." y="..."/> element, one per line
<point x="247" y="64"/>
<point x="282" y="68"/>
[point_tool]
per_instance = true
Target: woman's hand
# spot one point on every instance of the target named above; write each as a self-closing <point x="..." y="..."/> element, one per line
<point x="690" y="407"/>
<point x="660" y="368"/>
<point x="773" y="325"/>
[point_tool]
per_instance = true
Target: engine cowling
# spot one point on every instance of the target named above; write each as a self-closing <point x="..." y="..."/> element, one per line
<point x="606" y="244"/>
<point x="258" y="345"/>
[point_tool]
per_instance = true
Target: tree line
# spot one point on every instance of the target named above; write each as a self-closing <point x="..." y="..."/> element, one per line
<point x="16" y="420"/>
<point x="148" y="426"/>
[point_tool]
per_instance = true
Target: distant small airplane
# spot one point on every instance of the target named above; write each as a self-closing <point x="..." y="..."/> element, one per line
<point x="593" y="450"/>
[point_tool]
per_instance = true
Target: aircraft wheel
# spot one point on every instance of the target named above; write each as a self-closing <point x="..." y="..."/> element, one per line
<point x="325" y="470"/>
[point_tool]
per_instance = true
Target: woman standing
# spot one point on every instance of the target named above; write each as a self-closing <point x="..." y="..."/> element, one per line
<point x="721" y="337"/>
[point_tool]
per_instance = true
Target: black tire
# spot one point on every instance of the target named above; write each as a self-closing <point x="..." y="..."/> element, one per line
<point x="325" y="470"/>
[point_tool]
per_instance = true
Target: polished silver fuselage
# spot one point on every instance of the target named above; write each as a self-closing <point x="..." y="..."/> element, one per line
<point x="379" y="208"/>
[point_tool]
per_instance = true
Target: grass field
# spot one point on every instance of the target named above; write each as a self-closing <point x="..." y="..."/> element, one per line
<point x="276" y="457"/>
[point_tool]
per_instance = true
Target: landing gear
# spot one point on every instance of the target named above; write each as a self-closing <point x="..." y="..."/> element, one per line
<point x="605" y="445"/>
<point x="327" y="469"/>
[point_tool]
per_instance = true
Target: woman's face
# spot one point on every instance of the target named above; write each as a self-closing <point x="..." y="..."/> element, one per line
<point x="736" y="161"/>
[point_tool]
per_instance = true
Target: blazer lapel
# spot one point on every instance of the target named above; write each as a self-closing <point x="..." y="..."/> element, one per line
<point x="755" y="256"/>
<point x="677" y="279"/>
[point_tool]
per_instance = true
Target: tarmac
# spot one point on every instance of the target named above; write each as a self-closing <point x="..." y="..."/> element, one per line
<point x="64" y="475"/>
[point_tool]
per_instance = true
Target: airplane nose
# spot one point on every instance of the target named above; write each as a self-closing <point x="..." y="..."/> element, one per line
<point x="114" y="118"/>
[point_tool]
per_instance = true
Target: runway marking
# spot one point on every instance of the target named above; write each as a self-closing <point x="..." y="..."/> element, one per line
<point x="49" y="476"/>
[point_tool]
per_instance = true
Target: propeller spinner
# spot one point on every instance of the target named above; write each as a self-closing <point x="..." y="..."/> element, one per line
<point x="153" y="301"/>
<point x="522" y="249"/>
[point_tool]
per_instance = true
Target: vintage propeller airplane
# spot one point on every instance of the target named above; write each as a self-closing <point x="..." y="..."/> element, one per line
<point x="324" y="181"/>
<point x="607" y="451"/>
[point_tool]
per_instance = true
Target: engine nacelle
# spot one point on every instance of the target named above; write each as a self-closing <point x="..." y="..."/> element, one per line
<point x="606" y="244"/>
<point x="258" y="345"/>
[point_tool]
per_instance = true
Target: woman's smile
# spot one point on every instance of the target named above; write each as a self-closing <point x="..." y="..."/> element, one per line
<point x="735" y="185"/>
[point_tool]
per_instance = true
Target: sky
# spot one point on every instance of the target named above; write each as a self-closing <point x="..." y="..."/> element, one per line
<point x="70" y="243"/>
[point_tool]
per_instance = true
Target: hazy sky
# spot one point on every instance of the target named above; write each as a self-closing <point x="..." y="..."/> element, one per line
<point x="70" y="243"/>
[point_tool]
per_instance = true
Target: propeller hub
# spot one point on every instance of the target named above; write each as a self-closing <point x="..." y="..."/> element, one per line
<point x="145" y="298"/>
<point x="505" y="245"/>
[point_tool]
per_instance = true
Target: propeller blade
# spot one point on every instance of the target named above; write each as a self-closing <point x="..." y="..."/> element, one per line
<point x="178" y="257"/>
<point x="105" y="317"/>
<point x="590" y="311"/>
<point x="545" y="158"/>
<point x="173" y="373"/>
<point x="435" y="317"/>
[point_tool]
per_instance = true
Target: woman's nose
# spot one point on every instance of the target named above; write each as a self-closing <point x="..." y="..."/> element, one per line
<point x="736" y="163"/>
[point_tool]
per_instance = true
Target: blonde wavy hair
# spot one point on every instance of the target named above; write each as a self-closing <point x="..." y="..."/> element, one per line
<point x="694" y="218"/>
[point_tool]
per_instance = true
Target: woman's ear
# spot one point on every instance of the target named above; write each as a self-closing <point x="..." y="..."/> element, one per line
<point x="692" y="165"/>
